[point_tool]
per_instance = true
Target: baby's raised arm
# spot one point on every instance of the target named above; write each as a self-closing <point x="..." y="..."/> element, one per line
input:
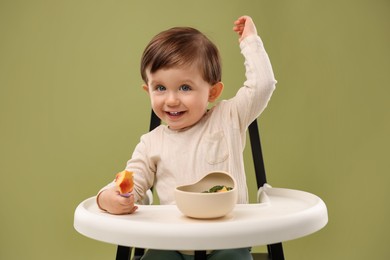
<point x="253" y="97"/>
<point x="244" y="26"/>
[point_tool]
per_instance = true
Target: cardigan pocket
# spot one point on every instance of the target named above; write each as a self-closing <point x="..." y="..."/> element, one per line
<point x="216" y="147"/>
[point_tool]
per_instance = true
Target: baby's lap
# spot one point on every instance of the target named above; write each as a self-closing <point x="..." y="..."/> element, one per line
<point x="226" y="254"/>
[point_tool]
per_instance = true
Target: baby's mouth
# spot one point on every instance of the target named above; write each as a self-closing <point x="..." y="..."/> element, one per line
<point x="175" y="113"/>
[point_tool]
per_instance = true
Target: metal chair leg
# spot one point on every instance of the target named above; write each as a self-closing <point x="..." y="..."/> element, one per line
<point x="138" y="253"/>
<point x="276" y="251"/>
<point x="123" y="253"/>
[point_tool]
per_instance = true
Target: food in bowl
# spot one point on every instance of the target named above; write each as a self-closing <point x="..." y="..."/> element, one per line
<point x="218" y="188"/>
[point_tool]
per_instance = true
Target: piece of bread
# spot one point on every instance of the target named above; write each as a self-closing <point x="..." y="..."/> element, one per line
<point x="124" y="182"/>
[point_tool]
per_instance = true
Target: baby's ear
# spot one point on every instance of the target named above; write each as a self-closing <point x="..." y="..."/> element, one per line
<point x="146" y="88"/>
<point x="215" y="91"/>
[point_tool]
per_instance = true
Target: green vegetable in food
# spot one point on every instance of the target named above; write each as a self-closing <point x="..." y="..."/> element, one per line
<point x="218" y="188"/>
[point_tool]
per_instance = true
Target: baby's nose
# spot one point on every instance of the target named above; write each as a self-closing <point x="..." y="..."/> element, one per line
<point x="172" y="99"/>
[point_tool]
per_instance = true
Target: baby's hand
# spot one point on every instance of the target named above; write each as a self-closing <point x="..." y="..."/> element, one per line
<point x="111" y="201"/>
<point x="244" y="26"/>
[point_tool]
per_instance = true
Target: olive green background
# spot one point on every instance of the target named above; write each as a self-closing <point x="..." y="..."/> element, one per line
<point x="72" y="110"/>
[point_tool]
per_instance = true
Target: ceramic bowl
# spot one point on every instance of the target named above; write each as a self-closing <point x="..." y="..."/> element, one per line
<point x="193" y="202"/>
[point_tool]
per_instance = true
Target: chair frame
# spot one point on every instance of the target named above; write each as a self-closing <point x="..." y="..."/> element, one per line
<point x="275" y="251"/>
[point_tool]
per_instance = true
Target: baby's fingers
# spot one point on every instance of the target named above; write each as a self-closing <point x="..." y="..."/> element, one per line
<point x="244" y="26"/>
<point x="239" y="24"/>
<point x="133" y="210"/>
<point x="127" y="204"/>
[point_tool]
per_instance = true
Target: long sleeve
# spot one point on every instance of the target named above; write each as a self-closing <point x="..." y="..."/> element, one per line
<point x="260" y="82"/>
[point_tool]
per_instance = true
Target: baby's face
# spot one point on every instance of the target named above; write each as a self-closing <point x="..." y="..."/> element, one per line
<point x="179" y="96"/>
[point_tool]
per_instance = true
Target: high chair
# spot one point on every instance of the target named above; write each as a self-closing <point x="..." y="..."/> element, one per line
<point x="275" y="251"/>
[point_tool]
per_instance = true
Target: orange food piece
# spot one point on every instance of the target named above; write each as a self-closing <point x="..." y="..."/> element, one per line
<point x="124" y="181"/>
<point x="224" y="189"/>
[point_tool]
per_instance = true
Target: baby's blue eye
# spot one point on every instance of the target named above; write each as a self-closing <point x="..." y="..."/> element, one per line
<point x="185" y="88"/>
<point x="160" y="88"/>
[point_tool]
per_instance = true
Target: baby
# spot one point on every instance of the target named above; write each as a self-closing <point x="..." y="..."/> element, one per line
<point x="182" y="74"/>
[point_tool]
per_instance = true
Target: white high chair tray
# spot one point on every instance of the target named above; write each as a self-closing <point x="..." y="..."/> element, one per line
<point x="287" y="214"/>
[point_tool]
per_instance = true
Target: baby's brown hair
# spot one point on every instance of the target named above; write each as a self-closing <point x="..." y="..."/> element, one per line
<point x="182" y="46"/>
